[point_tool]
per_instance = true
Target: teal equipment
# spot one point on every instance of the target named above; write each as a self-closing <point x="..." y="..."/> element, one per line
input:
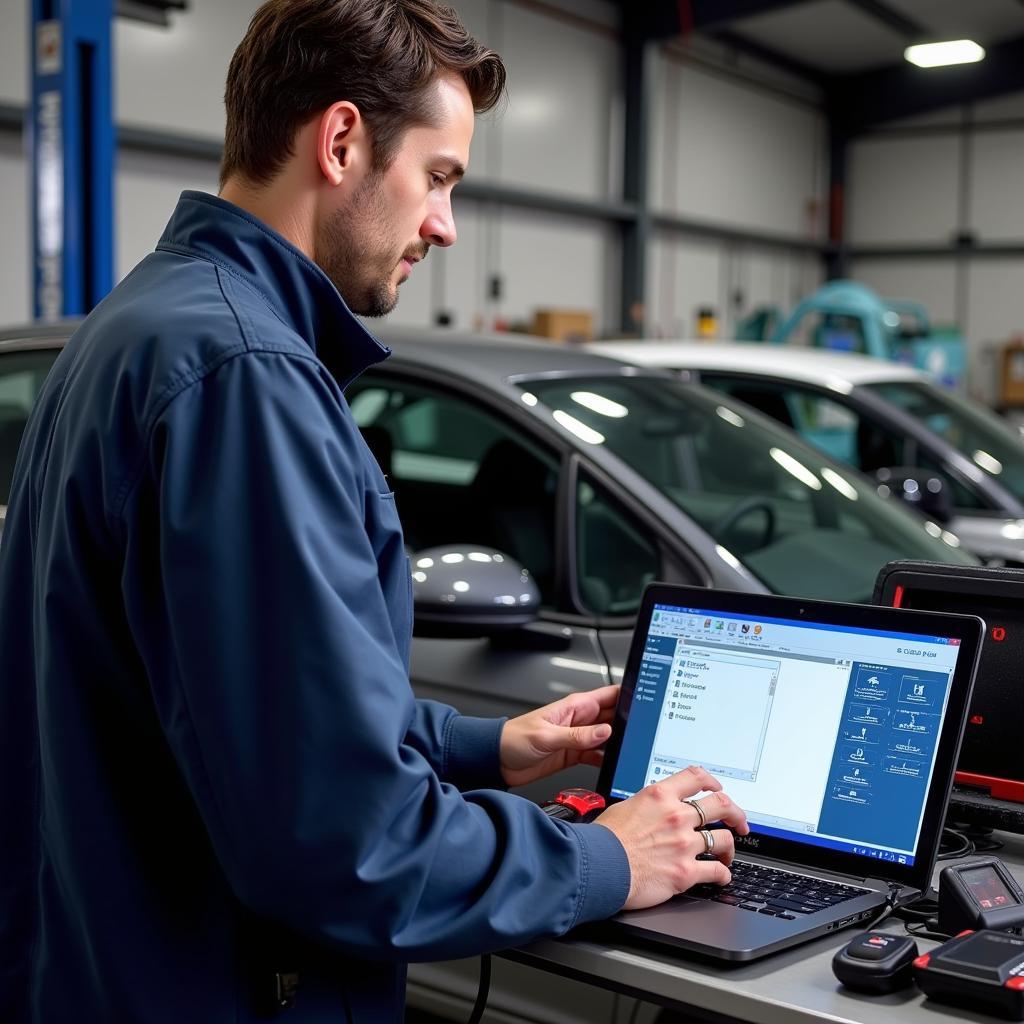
<point x="850" y="317"/>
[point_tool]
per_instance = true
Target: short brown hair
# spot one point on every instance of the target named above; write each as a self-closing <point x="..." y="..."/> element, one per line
<point x="300" y="56"/>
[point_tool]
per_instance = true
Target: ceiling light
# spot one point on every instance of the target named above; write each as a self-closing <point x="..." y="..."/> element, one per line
<point x="937" y="55"/>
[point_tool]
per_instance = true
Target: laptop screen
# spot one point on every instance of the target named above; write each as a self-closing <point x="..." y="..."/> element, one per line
<point x="825" y="734"/>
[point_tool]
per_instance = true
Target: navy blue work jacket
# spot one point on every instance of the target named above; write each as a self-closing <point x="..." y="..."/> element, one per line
<point x="212" y="766"/>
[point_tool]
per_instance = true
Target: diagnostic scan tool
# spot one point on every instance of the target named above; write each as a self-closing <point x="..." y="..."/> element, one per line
<point x="980" y="970"/>
<point x="979" y="894"/>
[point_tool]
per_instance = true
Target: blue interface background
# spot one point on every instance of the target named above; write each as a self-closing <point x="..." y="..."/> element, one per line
<point x="881" y="762"/>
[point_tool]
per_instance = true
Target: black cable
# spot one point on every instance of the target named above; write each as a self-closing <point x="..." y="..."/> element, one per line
<point x="955" y="844"/>
<point x="482" y="991"/>
<point x="927" y="933"/>
<point x="980" y="836"/>
<point x="923" y="913"/>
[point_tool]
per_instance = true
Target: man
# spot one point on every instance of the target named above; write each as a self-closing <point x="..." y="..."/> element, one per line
<point x="214" y="776"/>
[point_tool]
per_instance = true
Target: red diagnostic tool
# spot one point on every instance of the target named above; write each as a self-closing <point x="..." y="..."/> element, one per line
<point x="575" y="805"/>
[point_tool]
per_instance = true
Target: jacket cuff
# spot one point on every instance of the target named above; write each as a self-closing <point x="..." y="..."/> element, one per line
<point x="472" y="753"/>
<point x="606" y="875"/>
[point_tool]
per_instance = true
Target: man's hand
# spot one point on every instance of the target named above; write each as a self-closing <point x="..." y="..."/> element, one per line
<point x="662" y="839"/>
<point x="570" y="731"/>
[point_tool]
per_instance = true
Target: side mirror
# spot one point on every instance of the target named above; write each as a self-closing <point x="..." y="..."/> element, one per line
<point x="928" y="492"/>
<point x="463" y="590"/>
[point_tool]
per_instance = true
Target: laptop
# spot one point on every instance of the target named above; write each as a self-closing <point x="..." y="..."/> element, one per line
<point x="836" y="727"/>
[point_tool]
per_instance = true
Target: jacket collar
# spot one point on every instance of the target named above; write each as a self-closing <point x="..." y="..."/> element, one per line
<point x="297" y="290"/>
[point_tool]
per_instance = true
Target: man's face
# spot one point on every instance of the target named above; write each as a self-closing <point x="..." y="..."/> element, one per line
<point x="369" y="245"/>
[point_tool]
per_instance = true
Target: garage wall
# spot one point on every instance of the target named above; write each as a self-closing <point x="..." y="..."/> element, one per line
<point x="734" y="151"/>
<point x="922" y="182"/>
<point x="727" y="153"/>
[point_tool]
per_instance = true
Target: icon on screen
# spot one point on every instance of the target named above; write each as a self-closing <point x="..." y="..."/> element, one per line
<point x="757" y="630"/>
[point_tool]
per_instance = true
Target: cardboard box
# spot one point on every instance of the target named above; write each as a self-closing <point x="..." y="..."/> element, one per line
<point x="563" y="324"/>
<point x="1011" y="375"/>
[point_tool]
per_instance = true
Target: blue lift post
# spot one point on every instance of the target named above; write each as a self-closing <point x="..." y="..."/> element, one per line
<point x="72" y="141"/>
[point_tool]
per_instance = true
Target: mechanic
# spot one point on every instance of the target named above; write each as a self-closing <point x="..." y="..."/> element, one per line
<point x="214" y="778"/>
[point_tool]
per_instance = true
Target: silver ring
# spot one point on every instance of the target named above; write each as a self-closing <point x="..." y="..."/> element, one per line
<point x="695" y="804"/>
<point x="709" y="840"/>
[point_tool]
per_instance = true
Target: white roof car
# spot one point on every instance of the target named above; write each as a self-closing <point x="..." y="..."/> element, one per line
<point x="958" y="462"/>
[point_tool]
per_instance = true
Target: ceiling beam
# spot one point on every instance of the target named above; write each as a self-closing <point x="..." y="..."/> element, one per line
<point x="862" y="101"/>
<point x="741" y="44"/>
<point x="891" y="18"/>
<point x="153" y="12"/>
<point x="664" y="19"/>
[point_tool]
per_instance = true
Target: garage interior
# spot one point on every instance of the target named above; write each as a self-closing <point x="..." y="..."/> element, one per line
<point x="661" y="171"/>
<point x="727" y="163"/>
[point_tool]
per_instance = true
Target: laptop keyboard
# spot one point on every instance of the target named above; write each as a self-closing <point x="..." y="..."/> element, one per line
<point x="777" y="893"/>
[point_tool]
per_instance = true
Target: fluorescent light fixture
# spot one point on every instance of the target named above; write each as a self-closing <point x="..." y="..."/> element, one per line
<point x="938" y="55"/>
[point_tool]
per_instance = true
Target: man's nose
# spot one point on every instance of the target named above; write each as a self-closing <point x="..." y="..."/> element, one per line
<point x="439" y="226"/>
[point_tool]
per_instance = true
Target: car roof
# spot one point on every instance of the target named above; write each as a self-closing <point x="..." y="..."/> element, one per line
<point x="795" y="362"/>
<point x="495" y="357"/>
<point x="491" y="358"/>
<point x="38" y="335"/>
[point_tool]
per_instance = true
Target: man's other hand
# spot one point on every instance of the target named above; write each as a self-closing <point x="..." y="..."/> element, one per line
<point x="662" y="838"/>
<point x="571" y="731"/>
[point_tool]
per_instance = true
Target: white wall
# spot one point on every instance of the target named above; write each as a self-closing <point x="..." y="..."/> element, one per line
<point x="904" y="188"/>
<point x="727" y="152"/>
<point x="731" y="152"/>
<point x="685" y="275"/>
<point x="15" y="256"/>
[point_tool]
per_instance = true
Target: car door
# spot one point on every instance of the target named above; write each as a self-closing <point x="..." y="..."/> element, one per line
<point x="463" y="473"/>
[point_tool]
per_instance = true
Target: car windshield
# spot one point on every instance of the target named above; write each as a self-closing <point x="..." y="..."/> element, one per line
<point x="21" y="376"/>
<point x="989" y="442"/>
<point x="804" y="525"/>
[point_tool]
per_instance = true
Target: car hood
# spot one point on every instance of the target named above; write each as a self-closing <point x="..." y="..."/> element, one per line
<point x="991" y="537"/>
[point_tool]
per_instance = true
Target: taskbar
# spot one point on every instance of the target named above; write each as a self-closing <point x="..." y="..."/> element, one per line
<point x="873" y="852"/>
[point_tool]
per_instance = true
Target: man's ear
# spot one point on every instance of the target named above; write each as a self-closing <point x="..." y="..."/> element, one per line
<point x="340" y="139"/>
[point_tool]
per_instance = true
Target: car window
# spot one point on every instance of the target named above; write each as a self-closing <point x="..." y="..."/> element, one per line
<point x="988" y="441"/>
<point x="21" y="376"/>
<point x="834" y="427"/>
<point x="800" y="522"/>
<point x="460" y="474"/>
<point x="841" y="430"/>
<point x="615" y="554"/>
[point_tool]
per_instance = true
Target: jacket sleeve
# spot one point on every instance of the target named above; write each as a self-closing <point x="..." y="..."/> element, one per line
<point x="463" y="750"/>
<point x="256" y="606"/>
